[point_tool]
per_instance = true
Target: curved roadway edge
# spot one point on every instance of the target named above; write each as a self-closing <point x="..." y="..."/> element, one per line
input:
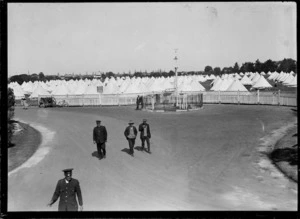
<point x="267" y="146"/>
<point x="43" y="148"/>
<point x="283" y="166"/>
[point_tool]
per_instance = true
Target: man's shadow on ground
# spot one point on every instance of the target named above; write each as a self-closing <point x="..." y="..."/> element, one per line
<point x="126" y="150"/>
<point x="138" y="148"/>
<point x="95" y="154"/>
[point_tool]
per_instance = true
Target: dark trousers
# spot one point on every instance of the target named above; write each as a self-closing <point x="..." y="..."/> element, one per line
<point x="143" y="139"/>
<point x="101" y="148"/>
<point x="69" y="207"/>
<point x="131" y="142"/>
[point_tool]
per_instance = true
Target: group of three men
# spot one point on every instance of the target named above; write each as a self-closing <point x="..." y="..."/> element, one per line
<point x="100" y="137"/>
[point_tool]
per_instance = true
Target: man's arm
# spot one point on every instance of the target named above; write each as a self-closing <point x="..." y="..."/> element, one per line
<point x="78" y="192"/>
<point x="105" y="134"/>
<point x="125" y="133"/>
<point x="94" y="135"/>
<point x="141" y="127"/>
<point x="149" y="131"/>
<point x="56" y="194"/>
<point x="135" y="131"/>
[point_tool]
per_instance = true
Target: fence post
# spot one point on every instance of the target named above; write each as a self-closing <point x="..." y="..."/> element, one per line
<point x="257" y="96"/>
<point x="219" y="97"/>
<point x="279" y="97"/>
<point x="152" y="101"/>
<point x="186" y="102"/>
<point x="238" y="97"/>
<point x="118" y="99"/>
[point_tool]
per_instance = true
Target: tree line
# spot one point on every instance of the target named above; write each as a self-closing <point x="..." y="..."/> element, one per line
<point x="285" y="65"/>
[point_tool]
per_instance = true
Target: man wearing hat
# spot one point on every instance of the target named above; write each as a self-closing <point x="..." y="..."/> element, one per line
<point x="144" y="128"/>
<point x="130" y="134"/>
<point x="100" y="137"/>
<point x="66" y="190"/>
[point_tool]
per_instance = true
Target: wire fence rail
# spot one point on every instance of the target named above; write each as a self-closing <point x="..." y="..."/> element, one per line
<point x="184" y="101"/>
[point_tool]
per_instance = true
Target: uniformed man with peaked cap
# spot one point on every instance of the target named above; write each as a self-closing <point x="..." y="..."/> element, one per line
<point x="66" y="190"/>
<point x="100" y="138"/>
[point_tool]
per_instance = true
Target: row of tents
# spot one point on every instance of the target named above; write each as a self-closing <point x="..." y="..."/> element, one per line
<point x="137" y="85"/>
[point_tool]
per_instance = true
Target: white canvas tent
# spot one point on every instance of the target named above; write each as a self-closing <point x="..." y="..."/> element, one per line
<point x="61" y="90"/>
<point x="39" y="91"/>
<point x="261" y="83"/>
<point x="236" y="85"/>
<point x="246" y="81"/>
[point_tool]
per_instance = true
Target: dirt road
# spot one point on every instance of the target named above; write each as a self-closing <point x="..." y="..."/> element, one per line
<point x="202" y="160"/>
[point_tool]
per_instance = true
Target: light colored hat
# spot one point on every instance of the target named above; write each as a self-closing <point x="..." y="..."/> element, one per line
<point x="130" y="122"/>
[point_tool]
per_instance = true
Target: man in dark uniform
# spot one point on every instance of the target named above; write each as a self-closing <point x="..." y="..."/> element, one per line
<point x="142" y="102"/>
<point x="66" y="190"/>
<point x="137" y="102"/>
<point x="145" y="135"/>
<point x="130" y="134"/>
<point x="100" y="137"/>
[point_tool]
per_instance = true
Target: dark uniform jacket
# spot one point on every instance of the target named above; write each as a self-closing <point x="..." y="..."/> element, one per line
<point x="100" y="134"/>
<point x="141" y="129"/>
<point x="66" y="192"/>
<point x="126" y="132"/>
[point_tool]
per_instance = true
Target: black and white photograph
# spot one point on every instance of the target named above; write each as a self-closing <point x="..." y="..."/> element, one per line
<point x="152" y="107"/>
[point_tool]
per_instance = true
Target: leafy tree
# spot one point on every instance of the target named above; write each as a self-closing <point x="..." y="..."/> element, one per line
<point x="171" y="73"/>
<point x="138" y="74"/>
<point x="41" y="76"/>
<point x="165" y="74"/>
<point x="269" y="65"/>
<point x="155" y="74"/>
<point x="109" y="74"/>
<point x="51" y="77"/>
<point x="16" y="78"/>
<point x="11" y="102"/>
<point x="34" y="77"/>
<point x="247" y="67"/>
<point x="258" y="66"/>
<point x="227" y="70"/>
<point x="287" y="65"/>
<point x="11" y="110"/>
<point x="217" y="71"/>
<point x="20" y="78"/>
<point x="236" y="68"/>
<point x="208" y="69"/>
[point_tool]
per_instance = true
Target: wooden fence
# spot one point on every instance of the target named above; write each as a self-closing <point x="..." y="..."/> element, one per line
<point x="265" y="98"/>
<point x="184" y="100"/>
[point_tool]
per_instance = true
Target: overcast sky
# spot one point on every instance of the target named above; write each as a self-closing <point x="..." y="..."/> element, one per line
<point x="120" y="37"/>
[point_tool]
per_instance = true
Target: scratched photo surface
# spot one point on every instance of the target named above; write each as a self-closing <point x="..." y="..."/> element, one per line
<point x="215" y="82"/>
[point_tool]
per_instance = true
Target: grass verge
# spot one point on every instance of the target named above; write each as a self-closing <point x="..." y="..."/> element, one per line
<point x="24" y="143"/>
<point x="285" y="154"/>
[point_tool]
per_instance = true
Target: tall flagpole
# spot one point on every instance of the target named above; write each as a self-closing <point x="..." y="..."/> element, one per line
<point x="176" y="78"/>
